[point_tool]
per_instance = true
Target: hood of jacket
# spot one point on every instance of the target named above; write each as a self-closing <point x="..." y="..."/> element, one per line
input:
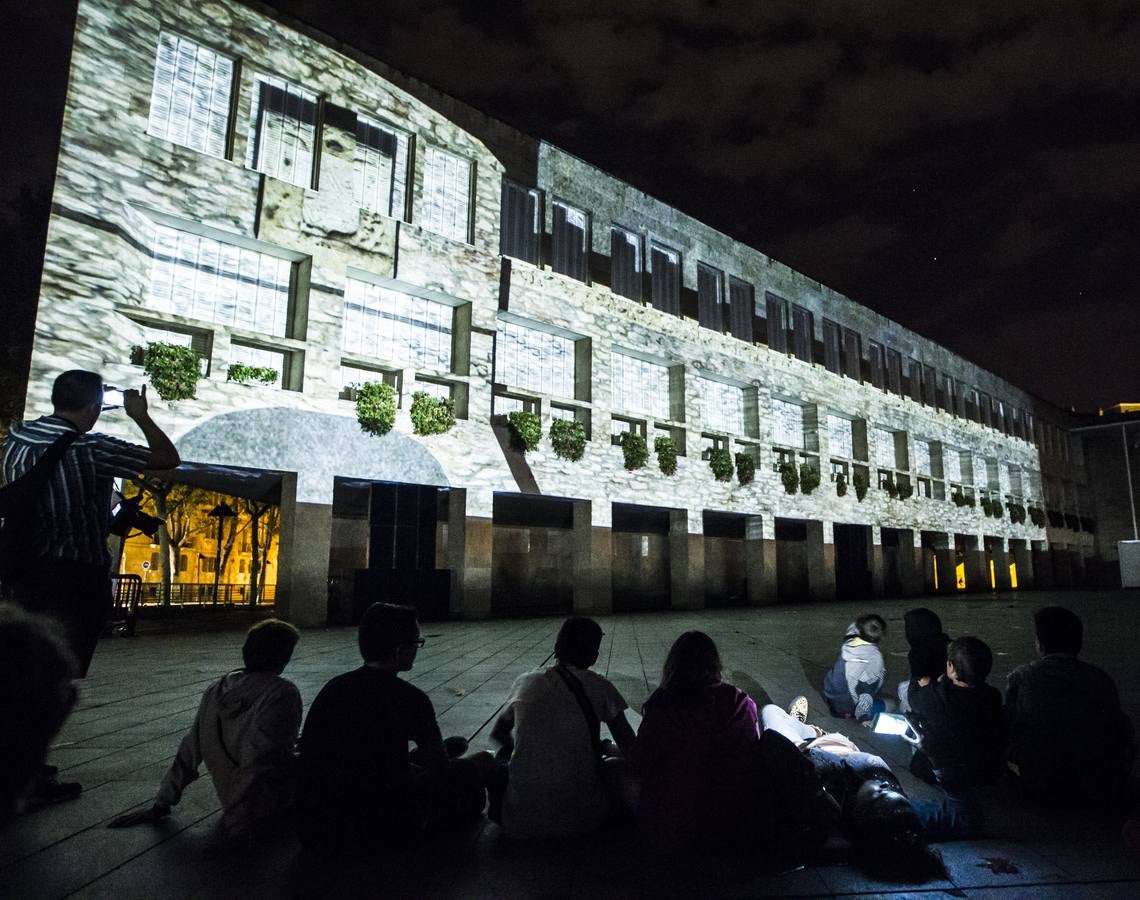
<point x="857" y="650"/>
<point x="921" y="623"/>
<point x="238" y="691"/>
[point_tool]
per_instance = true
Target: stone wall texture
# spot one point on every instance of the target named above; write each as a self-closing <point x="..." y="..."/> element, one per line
<point x="115" y="181"/>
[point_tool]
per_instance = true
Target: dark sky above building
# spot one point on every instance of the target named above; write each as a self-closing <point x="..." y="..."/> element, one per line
<point x="971" y="170"/>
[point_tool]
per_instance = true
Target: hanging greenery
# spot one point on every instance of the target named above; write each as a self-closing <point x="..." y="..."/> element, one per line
<point x="906" y="490"/>
<point x="720" y="461"/>
<point x="666" y="450"/>
<point x="376" y="407"/>
<point x="745" y="468"/>
<point x="634" y="450"/>
<point x="171" y="369"/>
<point x="431" y="415"/>
<point x="997" y="510"/>
<point x="1037" y="516"/>
<point x="790" y="476"/>
<point x="1016" y="513"/>
<point x="526" y="430"/>
<point x="840" y="484"/>
<point x="809" y="478"/>
<point x="862" y="482"/>
<point x="568" y="438"/>
<point x="959" y="498"/>
<point x="243" y="374"/>
<point x="889" y="486"/>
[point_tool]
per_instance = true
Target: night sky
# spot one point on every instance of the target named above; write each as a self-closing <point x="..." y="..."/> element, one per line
<point x="969" y="170"/>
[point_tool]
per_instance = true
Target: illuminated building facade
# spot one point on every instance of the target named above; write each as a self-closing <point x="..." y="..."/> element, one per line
<point x="238" y="185"/>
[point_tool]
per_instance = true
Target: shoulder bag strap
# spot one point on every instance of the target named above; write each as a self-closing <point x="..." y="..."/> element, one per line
<point x="592" y="722"/>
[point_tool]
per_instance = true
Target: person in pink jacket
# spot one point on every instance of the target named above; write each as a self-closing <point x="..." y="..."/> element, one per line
<point x="245" y="732"/>
<point x="695" y="750"/>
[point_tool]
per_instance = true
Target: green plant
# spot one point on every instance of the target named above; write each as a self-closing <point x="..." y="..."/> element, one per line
<point x="840" y="484"/>
<point x="862" y="482"/>
<point x="958" y="498"/>
<point x="997" y="510"/>
<point x="889" y="486"/>
<point x="375" y="407"/>
<point x="243" y="374"/>
<point x="790" y="476"/>
<point x="431" y="415"/>
<point x="633" y="450"/>
<point x="745" y="468"/>
<point x="906" y="490"/>
<point x="568" y="438"/>
<point x="171" y="369"/>
<point x="1016" y="513"/>
<point x="1037" y="516"/>
<point x="720" y="461"/>
<point x="809" y="478"/>
<point x="666" y="450"/>
<point x="526" y="430"/>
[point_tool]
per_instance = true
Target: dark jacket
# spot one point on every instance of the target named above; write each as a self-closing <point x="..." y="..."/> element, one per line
<point x="963" y="733"/>
<point x="928" y="642"/>
<point x="1068" y="736"/>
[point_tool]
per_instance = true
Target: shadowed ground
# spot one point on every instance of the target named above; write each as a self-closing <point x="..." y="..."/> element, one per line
<point x="142" y="694"/>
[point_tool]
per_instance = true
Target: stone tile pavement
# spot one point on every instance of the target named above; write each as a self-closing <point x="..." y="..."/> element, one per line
<point x="142" y="694"/>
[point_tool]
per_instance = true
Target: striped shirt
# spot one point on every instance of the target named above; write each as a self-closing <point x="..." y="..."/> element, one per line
<point x="74" y="513"/>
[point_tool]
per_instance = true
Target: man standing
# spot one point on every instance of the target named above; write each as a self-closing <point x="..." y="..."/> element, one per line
<point x="69" y="578"/>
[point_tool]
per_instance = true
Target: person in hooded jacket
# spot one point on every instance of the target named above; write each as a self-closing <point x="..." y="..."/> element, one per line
<point x="853" y="684"/>
<point x="245" y="732"/>
<point x="926" y="657"/>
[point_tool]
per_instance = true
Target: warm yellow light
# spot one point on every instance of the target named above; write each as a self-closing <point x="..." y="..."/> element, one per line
<point x="1013" y="574"/>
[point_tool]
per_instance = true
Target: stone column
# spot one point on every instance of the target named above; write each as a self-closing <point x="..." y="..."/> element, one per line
<point x="468" y="553"/>
<point x="593" y="558"/>
<point x="686" y="562"/>
<point x="1019" y="554"/>
<point x="877" y="561"/>
<point x="1042" y="565"/>
<point x="821" y="560"/>
<point x="945" y="557"/>
<point x="977" y="566"/>
<point x="910" y="562"/>
<point x="760" y="560"/>
<point x="998" y="554"/>
<point x="303" y="557"/>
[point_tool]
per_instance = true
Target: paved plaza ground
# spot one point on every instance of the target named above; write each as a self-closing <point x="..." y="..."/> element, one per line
<point x="143" y="691"/>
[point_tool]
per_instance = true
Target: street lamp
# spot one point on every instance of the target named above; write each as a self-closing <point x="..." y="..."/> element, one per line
<point x="221" y="512"/>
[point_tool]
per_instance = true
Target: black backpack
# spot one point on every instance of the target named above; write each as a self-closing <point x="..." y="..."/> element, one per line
<point x="18" y="502"/>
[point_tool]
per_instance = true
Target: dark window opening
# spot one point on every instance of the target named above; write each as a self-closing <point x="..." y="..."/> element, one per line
<point x="520" y="233"/>
<point x="741" y="309"/>
<point x="665" y="279"/>
<point x="625" y="263"/>
<point x="710" y="297"/>
<point x="570" y="236"/>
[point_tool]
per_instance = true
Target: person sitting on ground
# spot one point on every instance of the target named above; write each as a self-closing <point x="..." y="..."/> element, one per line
<point x="359" y="787"/>
<point x="926" y="657"/>
<point x="245" y="731"/>
<point x="960" y="719"/>
<point x="825" y="778"/>
<point x="36" y="694"/>
<point x="853" y="684"/>
<point x="549" y="730"/>
<point x="1069" y="740"/>
<point x="695" y="751"/>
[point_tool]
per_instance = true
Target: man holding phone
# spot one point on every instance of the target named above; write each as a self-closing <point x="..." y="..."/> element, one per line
<point x="69" y="577"/>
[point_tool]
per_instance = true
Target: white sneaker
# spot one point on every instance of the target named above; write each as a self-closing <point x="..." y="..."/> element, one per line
<point x="798" y="708"/>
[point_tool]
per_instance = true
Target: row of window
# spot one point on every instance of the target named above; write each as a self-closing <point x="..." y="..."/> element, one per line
<point x="193" y="104"/>
<point x="784" y="326"/>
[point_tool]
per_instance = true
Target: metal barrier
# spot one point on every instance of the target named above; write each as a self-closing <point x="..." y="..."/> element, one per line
<point x="202" y="594"/>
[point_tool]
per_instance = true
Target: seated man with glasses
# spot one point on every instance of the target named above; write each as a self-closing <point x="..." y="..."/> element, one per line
<point x="360" y="788"/>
